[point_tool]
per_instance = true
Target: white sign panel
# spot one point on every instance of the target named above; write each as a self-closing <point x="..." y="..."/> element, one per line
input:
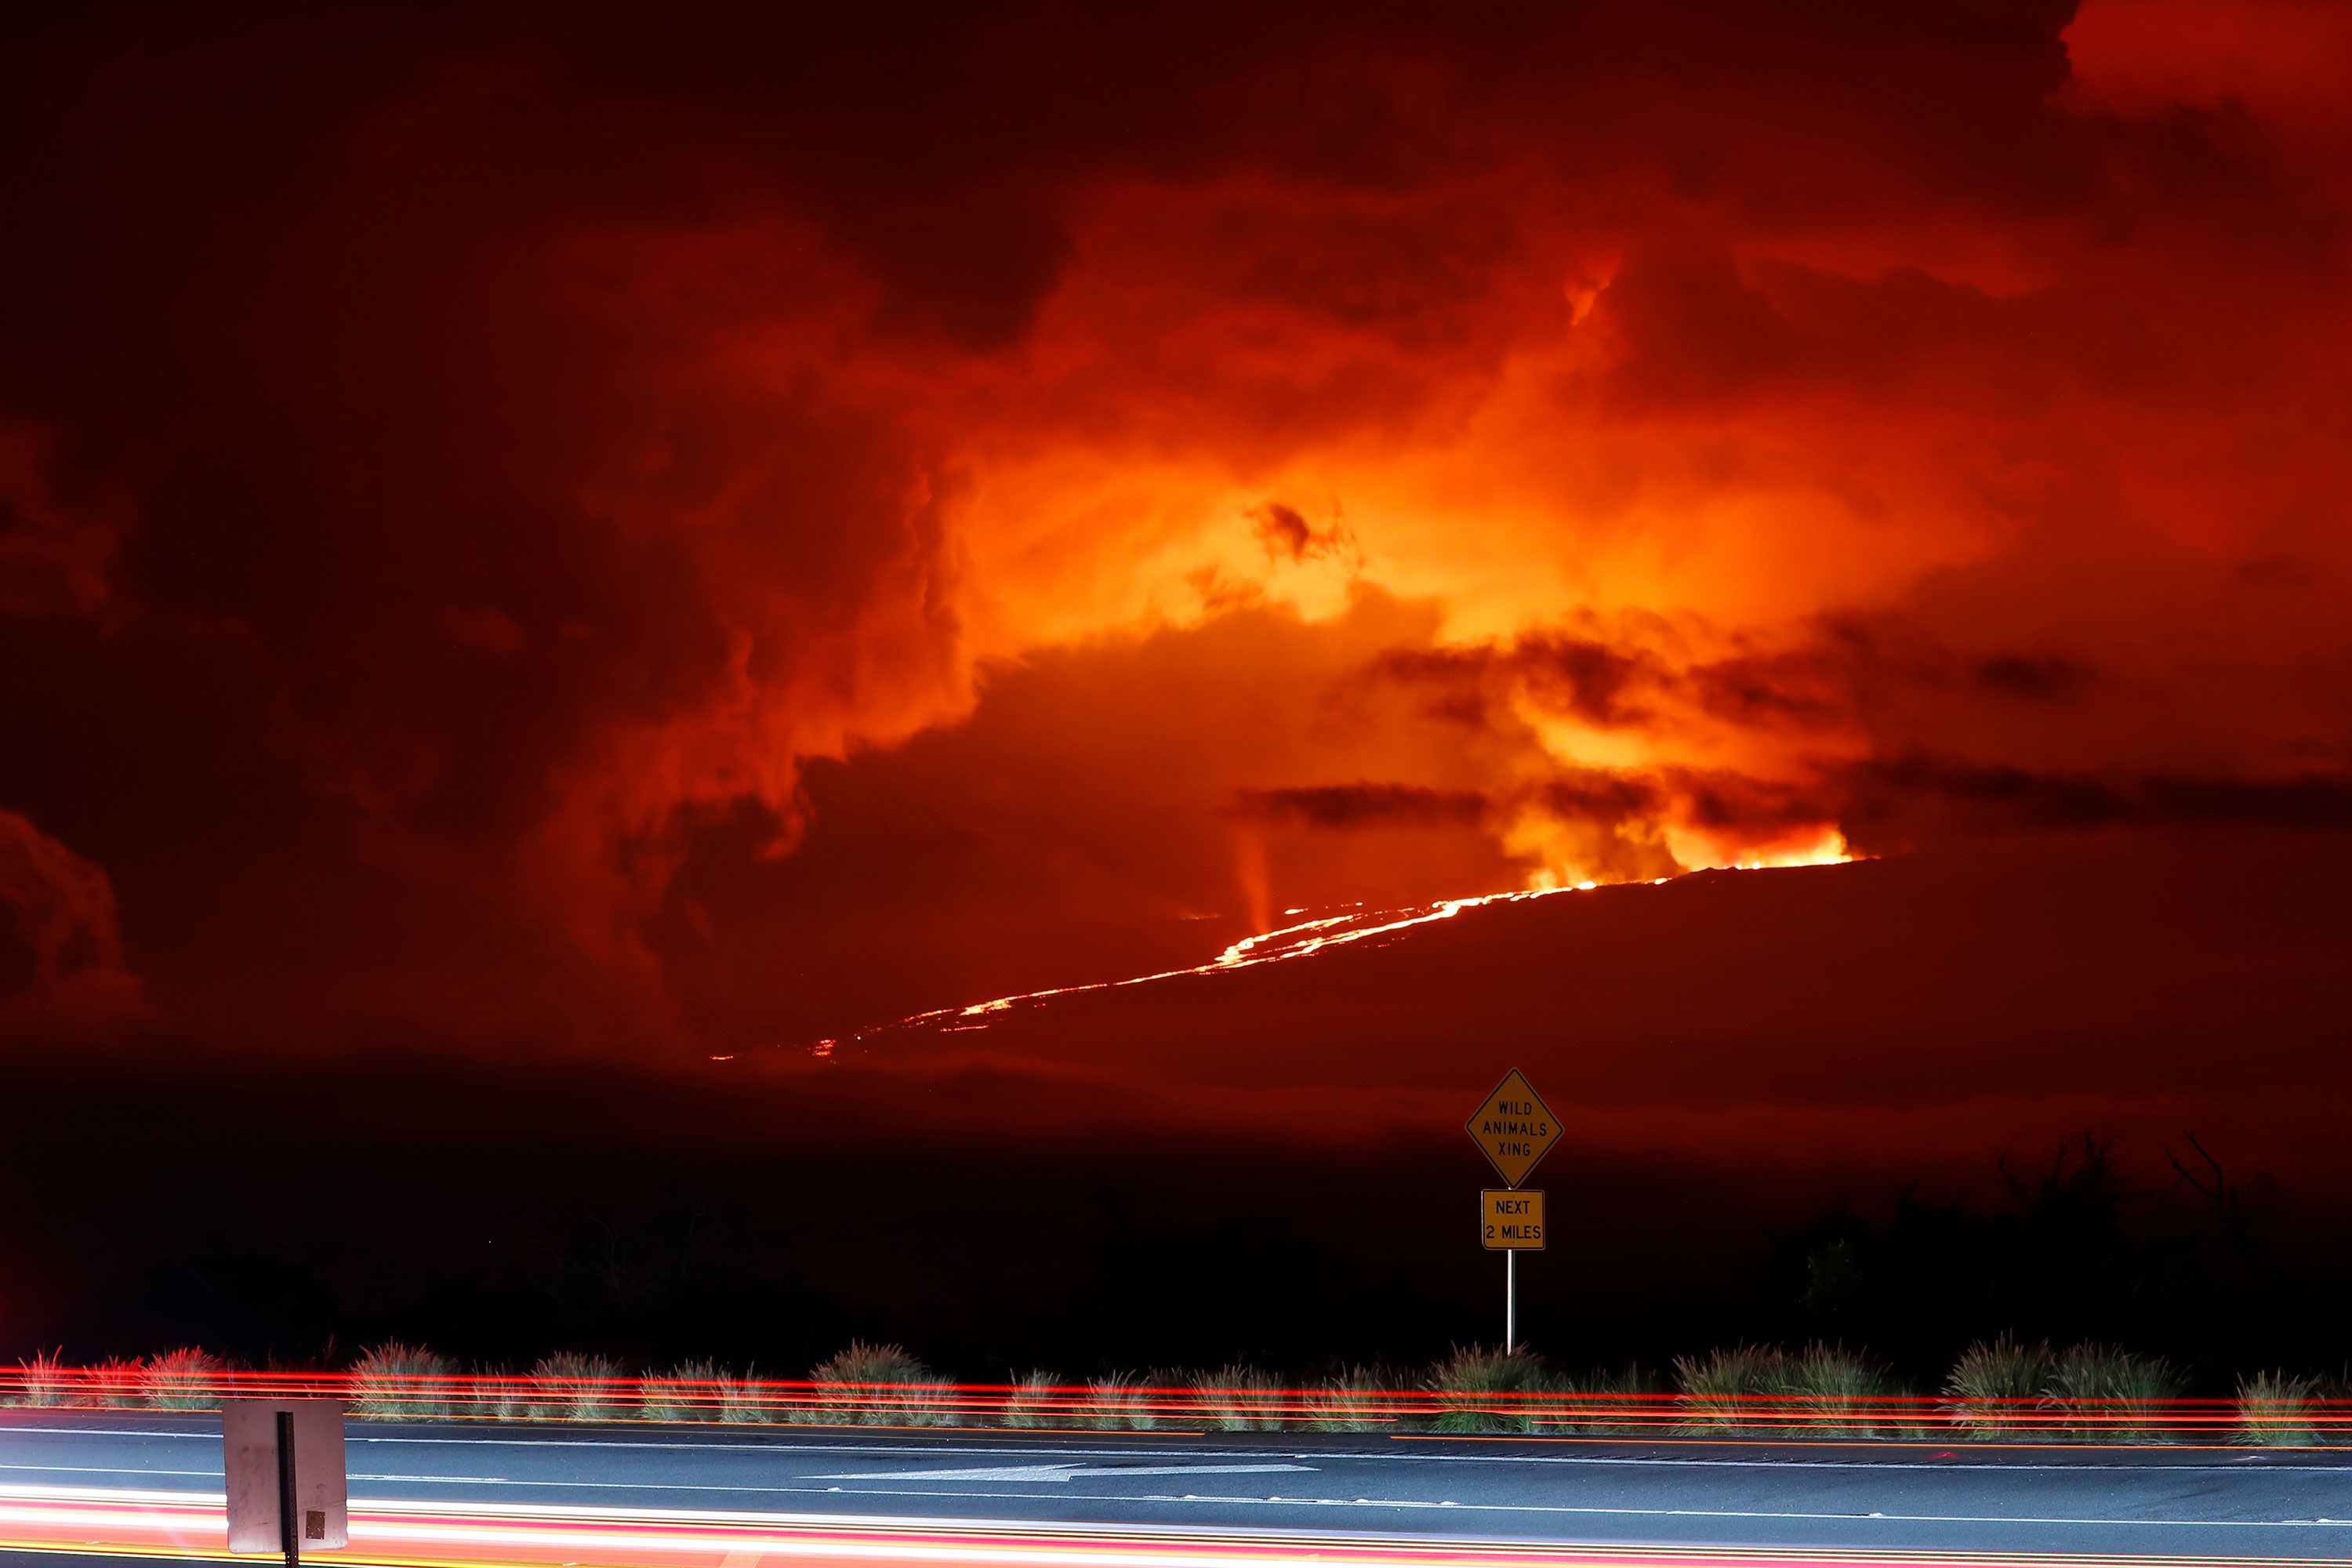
<point x="322" y="1492"/>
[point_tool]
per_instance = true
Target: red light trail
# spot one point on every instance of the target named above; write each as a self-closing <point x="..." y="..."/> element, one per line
<point x="1403" y="1413"/>
<point x="431" y="1535"/>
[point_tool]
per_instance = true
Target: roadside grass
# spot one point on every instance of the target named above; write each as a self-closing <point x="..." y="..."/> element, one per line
<point x="2102" y="1394"/>
<point x="44" y="1381"/>
<point x="1353" y="1401"/>
<point x="182" y="1379"/>
<point x="1030" y="1402"/>
<point x="742" y="1402"/>
<point x="1995" y="1388"/>
<point x="499" y="1395"/>
<point x="2332" y="1407"/>
<point x="1241" y="1398"/>
<point x="1120" y="1402"/>
<point x="1610" y="1397"/>
<point x="397" y="1379"/>
<point x="877" y="1385"/>
<point x="2275" y="1411"/>
<point x="1999" y="1389"/>
<point x="1834" y="1392"/>
<point x="569" y="1386"/>
<point x="1720" y="1390"/>
<point x="688" y="1392"/>
<point x="115" y="1383"/>
<point x="1489" y="1391"/>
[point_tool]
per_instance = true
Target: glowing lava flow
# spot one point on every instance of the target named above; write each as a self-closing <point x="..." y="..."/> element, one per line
<point x="1267" y="947"/>
<point x="1300" y="941"/>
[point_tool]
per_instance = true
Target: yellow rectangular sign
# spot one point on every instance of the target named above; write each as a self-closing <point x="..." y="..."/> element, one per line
<point x="1512" y="1219"/>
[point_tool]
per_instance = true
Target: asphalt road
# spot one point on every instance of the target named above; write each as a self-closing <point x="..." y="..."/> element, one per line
<point x="2216" y="1504"/>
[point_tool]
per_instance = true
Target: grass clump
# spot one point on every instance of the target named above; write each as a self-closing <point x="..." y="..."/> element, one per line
<point x="2099" y="1392"/>
<point x="1822" y="1390"/>
<point x="1489" y="1391"/>
<point x="43" y="1380"/>
<point x="1834" y="1393"/>
<point x="184" y="1379"/>
<point x="1721" y="1390"/>
<point x="1996" y="1387"/>
<point x="1120" y="1402"/>
<point x="115" y="1383"/>
<point x="1032" y="1401"/>
<point x="1612" y="1402"/>
<point x="497" y="1395"/>
<point x="742" y="1402"/>
<point x="1351" y="1402"/>
<point x="688" y="1392"/>
<point x="569" y="1386"/>
<point x="878" y="1385"/>
<point x="1238" y="1398"/>
<point x="396" y="1379"/>
<point x="2275" y="1411"/>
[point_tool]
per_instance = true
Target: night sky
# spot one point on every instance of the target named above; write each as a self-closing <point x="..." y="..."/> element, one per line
<point x="561" y="572"/>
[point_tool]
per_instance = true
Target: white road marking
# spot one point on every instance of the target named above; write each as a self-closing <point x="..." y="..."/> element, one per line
<point x="1845" y="1517"/>
<point x="1059" y="1472"/>
<point x="491" y="1512"/>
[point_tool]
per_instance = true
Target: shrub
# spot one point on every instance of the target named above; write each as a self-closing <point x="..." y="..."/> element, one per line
<point x="397" y="1379"/>
<point x="1238" y="1398"/>
<point x="1032" y="1401"/>
<point x="184" y="1379"/>
<point x="43" y="1383"/>
<point x="1486" y="1390"/>
<point x="568" y="1386"/>
<point x="1720" y="1391"/>
<point x="2098" y="1391"/>
<point x="2275" y="1411"/>
<point x="878" y="1385"/>
<point x="1993" y="1389"/>
<point x="1121" y="1402"/>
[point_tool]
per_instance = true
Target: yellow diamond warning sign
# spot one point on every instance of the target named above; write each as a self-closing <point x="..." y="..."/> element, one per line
<point x="1514" y="1128"/>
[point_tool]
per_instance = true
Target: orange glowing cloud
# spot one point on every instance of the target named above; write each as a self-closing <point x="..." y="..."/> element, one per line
<point x="650" y="504"/>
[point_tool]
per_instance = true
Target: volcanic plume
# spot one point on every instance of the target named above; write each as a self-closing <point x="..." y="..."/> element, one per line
<point x="539" y="534"/>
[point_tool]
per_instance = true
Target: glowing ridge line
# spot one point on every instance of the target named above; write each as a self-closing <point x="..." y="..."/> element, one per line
<point x="1249" y="951"/>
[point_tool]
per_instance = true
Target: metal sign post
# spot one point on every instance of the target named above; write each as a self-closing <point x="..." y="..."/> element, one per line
<point x="290" y="1538"/>
<point x="282" y="1460"/>
<point x="1515" y="1130"/>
